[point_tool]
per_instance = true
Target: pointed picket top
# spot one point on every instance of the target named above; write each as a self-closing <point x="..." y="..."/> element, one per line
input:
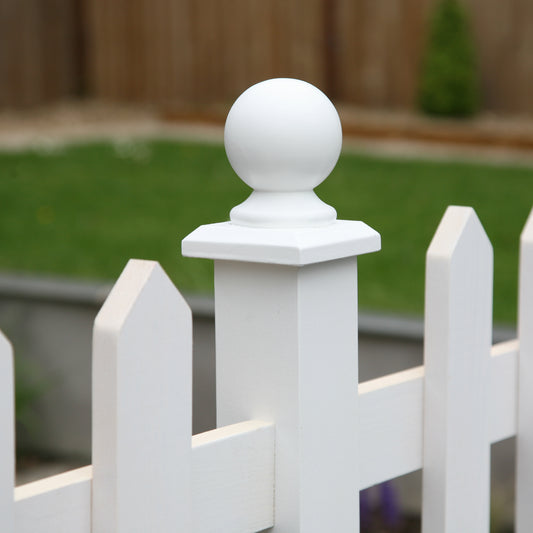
<point x="7" y="437"/>
<point x="524" y="441"/>
<point x="527" y="232"/>
<point x="458" y="331"/>
<point x="142" y="405"/>
<point x="459" y="227"/>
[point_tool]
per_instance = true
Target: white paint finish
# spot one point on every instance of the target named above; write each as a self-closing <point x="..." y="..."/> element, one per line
<point x="390" y="426"/>
<point x="233" y="478"/>
<point x="391" y="413"/>
<point x="233" y="487"/>
<point x="283" y="137"/>
<point x="7" y="436"/>
<point x="287" y="353"/>
<point x="142" y="374"/>
<point x="298" y="246"/>
<point x="458" y="330"/>
<point x="524" y="444"/>
<point x="232" y="467"/>
<point x="57" y="504"/>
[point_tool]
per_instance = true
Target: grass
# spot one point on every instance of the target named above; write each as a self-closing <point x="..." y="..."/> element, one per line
<point x="85" y="210"/>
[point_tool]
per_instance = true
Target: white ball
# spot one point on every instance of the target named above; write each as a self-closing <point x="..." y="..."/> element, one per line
<point x="283" y="135"/>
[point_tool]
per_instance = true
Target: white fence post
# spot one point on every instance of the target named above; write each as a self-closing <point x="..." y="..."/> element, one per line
<point x="142" y="376"/>
<point x="524" y="441"/>
<point x="456" y="465"/>
<point x="286" y="303"/>
<point x="7" y="438"/>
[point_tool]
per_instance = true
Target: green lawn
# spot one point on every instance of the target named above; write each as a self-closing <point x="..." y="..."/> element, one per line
<point x="84" y="210"/>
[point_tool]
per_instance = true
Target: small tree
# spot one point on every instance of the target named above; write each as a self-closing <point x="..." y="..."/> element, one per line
<point x="449" y="78"/>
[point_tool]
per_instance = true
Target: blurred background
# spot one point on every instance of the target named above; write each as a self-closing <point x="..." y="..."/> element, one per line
<point x="111" y="127"/>
<point x="189" y="55"/>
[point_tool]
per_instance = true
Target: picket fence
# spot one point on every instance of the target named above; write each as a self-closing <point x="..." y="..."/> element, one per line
<point x="296" y="438"/>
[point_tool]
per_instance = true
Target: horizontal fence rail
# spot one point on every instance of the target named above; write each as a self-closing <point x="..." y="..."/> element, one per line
<point x="390" y="428"/>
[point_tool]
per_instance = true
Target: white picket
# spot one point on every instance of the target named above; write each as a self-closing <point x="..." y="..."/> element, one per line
<point x="458" y="338"/>
<point x="524" y="442"/>
<point x="142" y="394"/>
<point x="7" y="437"/>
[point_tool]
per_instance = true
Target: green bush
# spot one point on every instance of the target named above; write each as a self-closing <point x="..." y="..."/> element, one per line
<point x="449" y="78"/>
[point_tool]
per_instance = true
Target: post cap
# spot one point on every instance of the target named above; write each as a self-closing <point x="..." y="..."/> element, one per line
<point x="283" y="137"/>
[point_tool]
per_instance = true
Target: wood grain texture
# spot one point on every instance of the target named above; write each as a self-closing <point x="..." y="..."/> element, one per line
<point x="197" y="52"/>
<point x="142" y="396"/>
<point x="524" y="442"/>
<point x="7" y="436"/>
<point x="457" y="341"/>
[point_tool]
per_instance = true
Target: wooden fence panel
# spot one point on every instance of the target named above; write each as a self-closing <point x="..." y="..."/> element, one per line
<point x="206" y="52"/>
<point x="378" y="51"/>
<point x="262" y="40"/>
<point x="200" y="52"/>
<point x="40" y="53"/>
<point x="503" y="34"/>
<point x="524" y="441"/>
<point x="457" y="342"/>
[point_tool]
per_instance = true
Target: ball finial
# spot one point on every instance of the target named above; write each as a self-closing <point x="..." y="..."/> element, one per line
<point x="283" y="137"/>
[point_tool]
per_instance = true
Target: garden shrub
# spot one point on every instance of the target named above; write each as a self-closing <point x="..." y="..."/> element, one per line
<point x="449" y="78"/>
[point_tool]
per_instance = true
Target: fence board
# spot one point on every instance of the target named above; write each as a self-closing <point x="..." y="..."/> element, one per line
<point x="524" y="444"/>
<point x="7" y="437"/>
<point x="142" y="395"/>
<point x="306" y="49"/>
<point x="233" y="478"/>
<point x="232" y="489"/>
<point x="262" y="36"/>
<point x="57" y="504"/>
<point x="232" y="466"/>
<point x="40" y="55"/>
<point x="365" y="52"/>
<point x="391" y="412"/>
<point x="458" y="330"/>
